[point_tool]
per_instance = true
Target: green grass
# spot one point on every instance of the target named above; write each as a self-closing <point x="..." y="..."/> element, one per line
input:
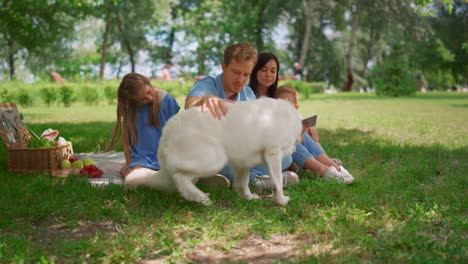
<point x="409" y="156"/>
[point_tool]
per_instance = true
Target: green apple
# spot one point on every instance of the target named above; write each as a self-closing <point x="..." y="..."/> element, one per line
<point x="65" y="164"/>
<point x="88" y="161"/>
<point x="77" y="164"/>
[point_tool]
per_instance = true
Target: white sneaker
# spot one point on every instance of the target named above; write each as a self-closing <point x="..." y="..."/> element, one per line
<point x="342" y="176"/>
<point x="264" y="182"/>
<point x="348" y="178"/>
<point x="217" y="180"/>
<point x="337" y="161"/>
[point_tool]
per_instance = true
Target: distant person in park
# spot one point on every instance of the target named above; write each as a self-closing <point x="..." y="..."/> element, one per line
<point x="309" y="154"/>
<point x="298" y="71"/>
<point x="212" y="93"/>
<point x="56" y="77"/>
<point x="166" y="75"/>
<point x="174" y="71"/>
<point x="142" y="112"/>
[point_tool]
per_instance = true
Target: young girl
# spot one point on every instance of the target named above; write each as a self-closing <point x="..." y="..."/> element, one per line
<point x="308" y="154"/>
<point x="142" y="112"/>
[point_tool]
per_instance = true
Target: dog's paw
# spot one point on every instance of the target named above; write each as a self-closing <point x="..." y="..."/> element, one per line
<point x="252" y="196"/>
<point x="206" y="202"/>
<point x="282" y="201"/>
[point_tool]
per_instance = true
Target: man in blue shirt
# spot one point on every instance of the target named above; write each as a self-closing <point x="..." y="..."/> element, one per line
<point x="213" y="93"/>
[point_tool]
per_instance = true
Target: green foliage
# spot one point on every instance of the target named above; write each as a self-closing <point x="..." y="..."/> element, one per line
<point x="66" y="95"/>
<point x="49" y="95"/>
<point x="176" y="88"/>
<point x="89" y="94"/>
<point x="447" y="3"/>
<point x="440" y="80"/>
<point x="305" y="89"/>
<point x="110" y="93"/>
<point x="30" y="26"/>
<point x="394" y="78"/>
<point x="450" y="28"/>
<point x="24" y="97"/>
<point x="6" y="95"/>
<point x="40" y="143"/>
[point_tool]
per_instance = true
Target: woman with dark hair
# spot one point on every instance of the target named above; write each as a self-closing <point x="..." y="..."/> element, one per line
<point x="266" y="69"/>
<point x="309" y="154"/>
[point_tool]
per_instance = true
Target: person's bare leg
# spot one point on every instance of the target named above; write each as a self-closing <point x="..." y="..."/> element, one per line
<point x="315" y="166"/>
<point x="125" y="170"/>
<point x="293" y="167"/>
<point x="325" y="160"/>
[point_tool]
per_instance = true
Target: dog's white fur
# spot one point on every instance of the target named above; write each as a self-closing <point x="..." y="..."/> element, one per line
<point x="195" y="145"/>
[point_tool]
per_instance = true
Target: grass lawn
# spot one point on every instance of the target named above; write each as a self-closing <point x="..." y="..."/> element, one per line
<point x="409" y="157"/>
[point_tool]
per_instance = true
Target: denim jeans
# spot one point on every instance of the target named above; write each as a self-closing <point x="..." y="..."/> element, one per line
<point x="306" y="149"/>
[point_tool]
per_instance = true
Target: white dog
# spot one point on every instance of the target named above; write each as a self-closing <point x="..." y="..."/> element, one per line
<point x="195" y="145"/>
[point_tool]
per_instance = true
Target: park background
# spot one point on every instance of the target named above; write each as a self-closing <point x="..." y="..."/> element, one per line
<point x="397" y="119"/>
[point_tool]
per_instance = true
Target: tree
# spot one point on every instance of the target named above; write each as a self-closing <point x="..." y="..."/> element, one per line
<point x="128" y="23"/>
<point x="450" y="24"/>
<point x="28" y="26"/>
<point x="396" y="19"/>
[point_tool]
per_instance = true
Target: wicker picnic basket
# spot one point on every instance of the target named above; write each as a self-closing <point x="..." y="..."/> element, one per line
<point x="21" y="159"/>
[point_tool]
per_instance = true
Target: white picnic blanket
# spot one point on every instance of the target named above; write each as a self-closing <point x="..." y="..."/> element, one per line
<point x="109" y="162"/>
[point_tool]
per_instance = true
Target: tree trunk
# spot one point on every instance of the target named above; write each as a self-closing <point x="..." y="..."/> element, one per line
<point x="126" y="42"/>
<point x="349" y="55"/>
<point x="171" y="43"/>
<point x="119" y="70"/>
<point x="201" y="63"/>
<point x="308" y="31"/>
<point x="104" y="46"/>
<point x="259" y="27"/>
<point x="259" y="37"/>
<point x="369" y="51"/>
<point x="324" y="49"/>
<point x="169" y="55"/>
<point x="11" y="59"/>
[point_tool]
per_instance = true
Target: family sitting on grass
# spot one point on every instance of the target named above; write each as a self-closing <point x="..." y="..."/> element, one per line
<point x="143" y="110"/>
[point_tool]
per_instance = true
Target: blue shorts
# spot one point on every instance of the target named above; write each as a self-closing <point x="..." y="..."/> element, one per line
<point x="256" y="171"/>
<point x="306" y="149"/>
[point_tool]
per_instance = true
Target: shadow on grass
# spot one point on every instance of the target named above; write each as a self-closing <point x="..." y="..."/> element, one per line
<point x="385" y="171"/>
<point x="392" y="181"/>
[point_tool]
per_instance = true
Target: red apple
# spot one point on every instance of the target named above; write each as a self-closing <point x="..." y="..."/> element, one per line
<point x="72" y="159"/>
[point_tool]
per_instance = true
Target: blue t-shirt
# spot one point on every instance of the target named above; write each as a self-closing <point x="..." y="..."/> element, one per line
<point x="145" y="152"/>
<point x="214" y="86"/>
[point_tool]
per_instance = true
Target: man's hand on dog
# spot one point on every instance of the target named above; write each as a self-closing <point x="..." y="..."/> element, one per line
<point x="215" y="105"/>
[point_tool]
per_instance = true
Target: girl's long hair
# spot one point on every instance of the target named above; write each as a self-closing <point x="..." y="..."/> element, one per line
<point x="127" y="107"/>
<point x="264" y="58"/>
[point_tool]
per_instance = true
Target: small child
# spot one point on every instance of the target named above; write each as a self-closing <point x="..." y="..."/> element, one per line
<point x="309" y="153"/>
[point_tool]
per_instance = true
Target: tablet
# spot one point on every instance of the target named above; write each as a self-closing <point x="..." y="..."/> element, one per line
<point x="310" y="121"/>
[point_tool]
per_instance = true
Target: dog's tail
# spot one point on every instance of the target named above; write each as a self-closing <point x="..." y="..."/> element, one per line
<point x="159" y="180"/>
